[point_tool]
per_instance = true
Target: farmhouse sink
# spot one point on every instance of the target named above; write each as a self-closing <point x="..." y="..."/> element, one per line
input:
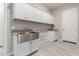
<point x="28" y="36"/>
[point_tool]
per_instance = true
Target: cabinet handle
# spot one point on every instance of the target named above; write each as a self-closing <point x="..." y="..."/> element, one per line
<point x="1" y="46"/>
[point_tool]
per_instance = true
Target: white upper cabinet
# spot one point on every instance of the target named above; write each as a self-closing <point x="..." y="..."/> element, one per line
<point x="28" y="12"/>
<point x="48" y="18"/>
<point x="38" y="15"/>
<point x="19" y="11"/>
<point x="45" y="17"/>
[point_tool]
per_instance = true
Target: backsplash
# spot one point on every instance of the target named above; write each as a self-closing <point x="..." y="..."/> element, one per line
<point x="31" y="25"/>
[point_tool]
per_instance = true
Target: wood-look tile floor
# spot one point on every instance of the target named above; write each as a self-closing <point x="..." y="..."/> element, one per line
<point x="58" y="49"/>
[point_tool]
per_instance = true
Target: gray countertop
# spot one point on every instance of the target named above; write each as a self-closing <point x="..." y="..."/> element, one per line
<point x="22" y="31"/>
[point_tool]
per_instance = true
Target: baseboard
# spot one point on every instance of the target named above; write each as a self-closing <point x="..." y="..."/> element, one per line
<point x="70" y="42"/>
<point x="55" y="40"/>
<point x="60" y="40"/>
<point x="32" y="53"/>
<point x="78" y="43"/>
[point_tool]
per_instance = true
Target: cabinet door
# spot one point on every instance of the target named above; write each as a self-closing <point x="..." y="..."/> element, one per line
<point x="37" y="15"/>
<point x="40" y="16"/>
<point x="47" y="18"/>
<point x="51" y="36"/>
<point x="27" y="12"/>
<point x="44" y="17"/>
<point x="19" y="11"/>
<point x="42" y="37"/>
<point x="35" y="45"/>
<point x="21" y="49"/>
<point x="30" y="12"/>
<point x="0" y="51"/>
<point x="3" y="50"/>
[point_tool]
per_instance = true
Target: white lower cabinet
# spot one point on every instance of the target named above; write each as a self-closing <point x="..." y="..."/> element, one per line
<point x="35" y="45"/>
<point x="22" y="49"/>
<point x="51" y="36"/>
<point x="3" y="51"/>
<point x="42" y="37"/>
<point x="26" y="48"/>
<point x="0" y="51"/>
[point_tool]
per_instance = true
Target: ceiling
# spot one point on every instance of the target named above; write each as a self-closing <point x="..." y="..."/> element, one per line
<point x="54" y="5"/>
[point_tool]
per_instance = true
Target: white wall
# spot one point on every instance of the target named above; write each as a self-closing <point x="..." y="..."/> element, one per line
<point x="1" y="22"/>
<point x="58" y="17"/>
<point x="7" y="28"/>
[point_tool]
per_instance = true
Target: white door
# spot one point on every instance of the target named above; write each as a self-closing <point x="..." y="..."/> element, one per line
<point x="70" y="28"/>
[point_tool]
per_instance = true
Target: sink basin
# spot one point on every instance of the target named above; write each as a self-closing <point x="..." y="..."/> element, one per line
<point x="34" y="35"/>
<point x="28" y="36"/>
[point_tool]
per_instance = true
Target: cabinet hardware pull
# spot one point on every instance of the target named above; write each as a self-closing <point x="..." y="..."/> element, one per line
<point x="1" y="46"/>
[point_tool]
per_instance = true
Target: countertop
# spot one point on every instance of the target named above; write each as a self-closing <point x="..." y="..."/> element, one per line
<point x="23" y="30"/>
